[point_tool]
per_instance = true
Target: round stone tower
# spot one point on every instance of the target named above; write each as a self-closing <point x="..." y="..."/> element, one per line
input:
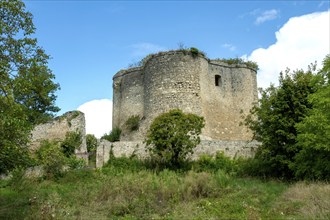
<point x="180" y="79"/>
<point x="171" y="80"/>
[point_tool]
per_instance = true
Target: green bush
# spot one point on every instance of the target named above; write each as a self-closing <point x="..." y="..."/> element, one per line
<point x="113" y="136"/>
<point x="208" y="163"/>
<point x="133" y="122"/>
<point x="127" y="164"/>
<point x="71" y="142"/>
<point x="74" y="162"/>
<point x="172" y="136"/>
<point x="195" y="52"/>
<point x="91" y="142"/>
<point x="53" y="160"/>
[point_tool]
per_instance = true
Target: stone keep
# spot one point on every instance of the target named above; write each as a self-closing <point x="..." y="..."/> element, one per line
<point x="219" y="92"/>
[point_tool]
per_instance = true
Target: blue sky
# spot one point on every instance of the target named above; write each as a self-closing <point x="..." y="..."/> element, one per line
<point x="89" y="41"/>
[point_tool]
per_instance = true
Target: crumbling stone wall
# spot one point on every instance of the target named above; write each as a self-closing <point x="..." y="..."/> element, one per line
<point x="210" y="88"/>
<point x="73" y="121"/>
<point x="233" y="149"/>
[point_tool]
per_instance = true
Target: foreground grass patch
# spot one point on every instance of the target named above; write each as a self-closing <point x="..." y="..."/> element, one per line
<point x="139" y="193"/>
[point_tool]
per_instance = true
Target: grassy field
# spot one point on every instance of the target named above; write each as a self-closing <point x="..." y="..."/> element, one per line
<point x="129" y="191"/>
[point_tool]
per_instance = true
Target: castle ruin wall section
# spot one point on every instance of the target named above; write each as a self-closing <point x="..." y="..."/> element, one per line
<point x="227" y="91"/>
<point x="56" y="130"/>
<point x="128" y="100"/>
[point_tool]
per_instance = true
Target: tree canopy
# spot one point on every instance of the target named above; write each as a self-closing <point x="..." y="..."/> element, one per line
<point x="173" y="135"/>
<point x="292" y="123"/>
<point x="27" y="90"/>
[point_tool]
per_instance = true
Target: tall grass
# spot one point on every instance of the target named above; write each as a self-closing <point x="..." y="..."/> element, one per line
<point x="130" y="189"/>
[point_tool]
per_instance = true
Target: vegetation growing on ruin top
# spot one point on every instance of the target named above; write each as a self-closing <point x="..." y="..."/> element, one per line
<point x="194" y="52"/>
<point x="240" y="61"/>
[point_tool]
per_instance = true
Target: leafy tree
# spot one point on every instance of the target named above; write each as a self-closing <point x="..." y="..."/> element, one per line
<point x="91" y="142"/>
<point x="53" y="160"/>
<point x="273" y="121"/>
<point x="71" y="142"/>
<point x="27" y="92"/>
<point x="174" y="135"/>
<point x="313" y="161"/>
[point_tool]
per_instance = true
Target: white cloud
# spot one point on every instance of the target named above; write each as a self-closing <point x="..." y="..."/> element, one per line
<point x="229" y="47"/>
<point x="301" y="41"/>
<point x="143" y="49"/>
<point x="98" y="116"/>
<point x="267" y="16"/>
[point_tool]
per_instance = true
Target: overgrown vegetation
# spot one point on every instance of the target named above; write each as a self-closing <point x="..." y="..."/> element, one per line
<point x="27" y="90"/>
<point x="91" y="142"/>
<point x="193" y="51"/>
<point x="172" y="136"/>
<point x="240" y="61"/>
<point x="292" y="123"/>
<point x="55" y="157"/>
<point x="133" y="122"/>
<point x="113" y="136"/>
<point x="130" y="189"/>
<point x="72" y="141"/>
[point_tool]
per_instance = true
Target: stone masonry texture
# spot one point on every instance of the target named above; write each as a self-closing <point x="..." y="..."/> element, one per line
<point x="219" y="92"/>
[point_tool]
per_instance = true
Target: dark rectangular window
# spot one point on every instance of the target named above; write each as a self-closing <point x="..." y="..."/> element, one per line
<point x="217" y="80"/>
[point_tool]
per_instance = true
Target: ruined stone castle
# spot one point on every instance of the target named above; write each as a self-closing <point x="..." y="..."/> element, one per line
<point x="214" y="89"/>
<point x="179" y="79"/>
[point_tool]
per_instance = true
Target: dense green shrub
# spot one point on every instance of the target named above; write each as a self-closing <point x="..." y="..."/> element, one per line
<point x="91" y="142"/>
<point x="313" y="161"/>
<point x="292" y="123"/>
<point x="127" y="164"/>
<point x="55" y="161"/>
<point x="113" y="136"/>
<point x="172" y="136"/>
<point x="210" y="163"/>
<point x="50" y="156"/>
<point x="73" y="162"/>
<point x="71" y="142"/>
<point x="133" y="122"/>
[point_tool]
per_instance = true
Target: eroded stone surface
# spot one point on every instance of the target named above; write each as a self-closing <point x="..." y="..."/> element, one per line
<point x="210" y="88"/>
